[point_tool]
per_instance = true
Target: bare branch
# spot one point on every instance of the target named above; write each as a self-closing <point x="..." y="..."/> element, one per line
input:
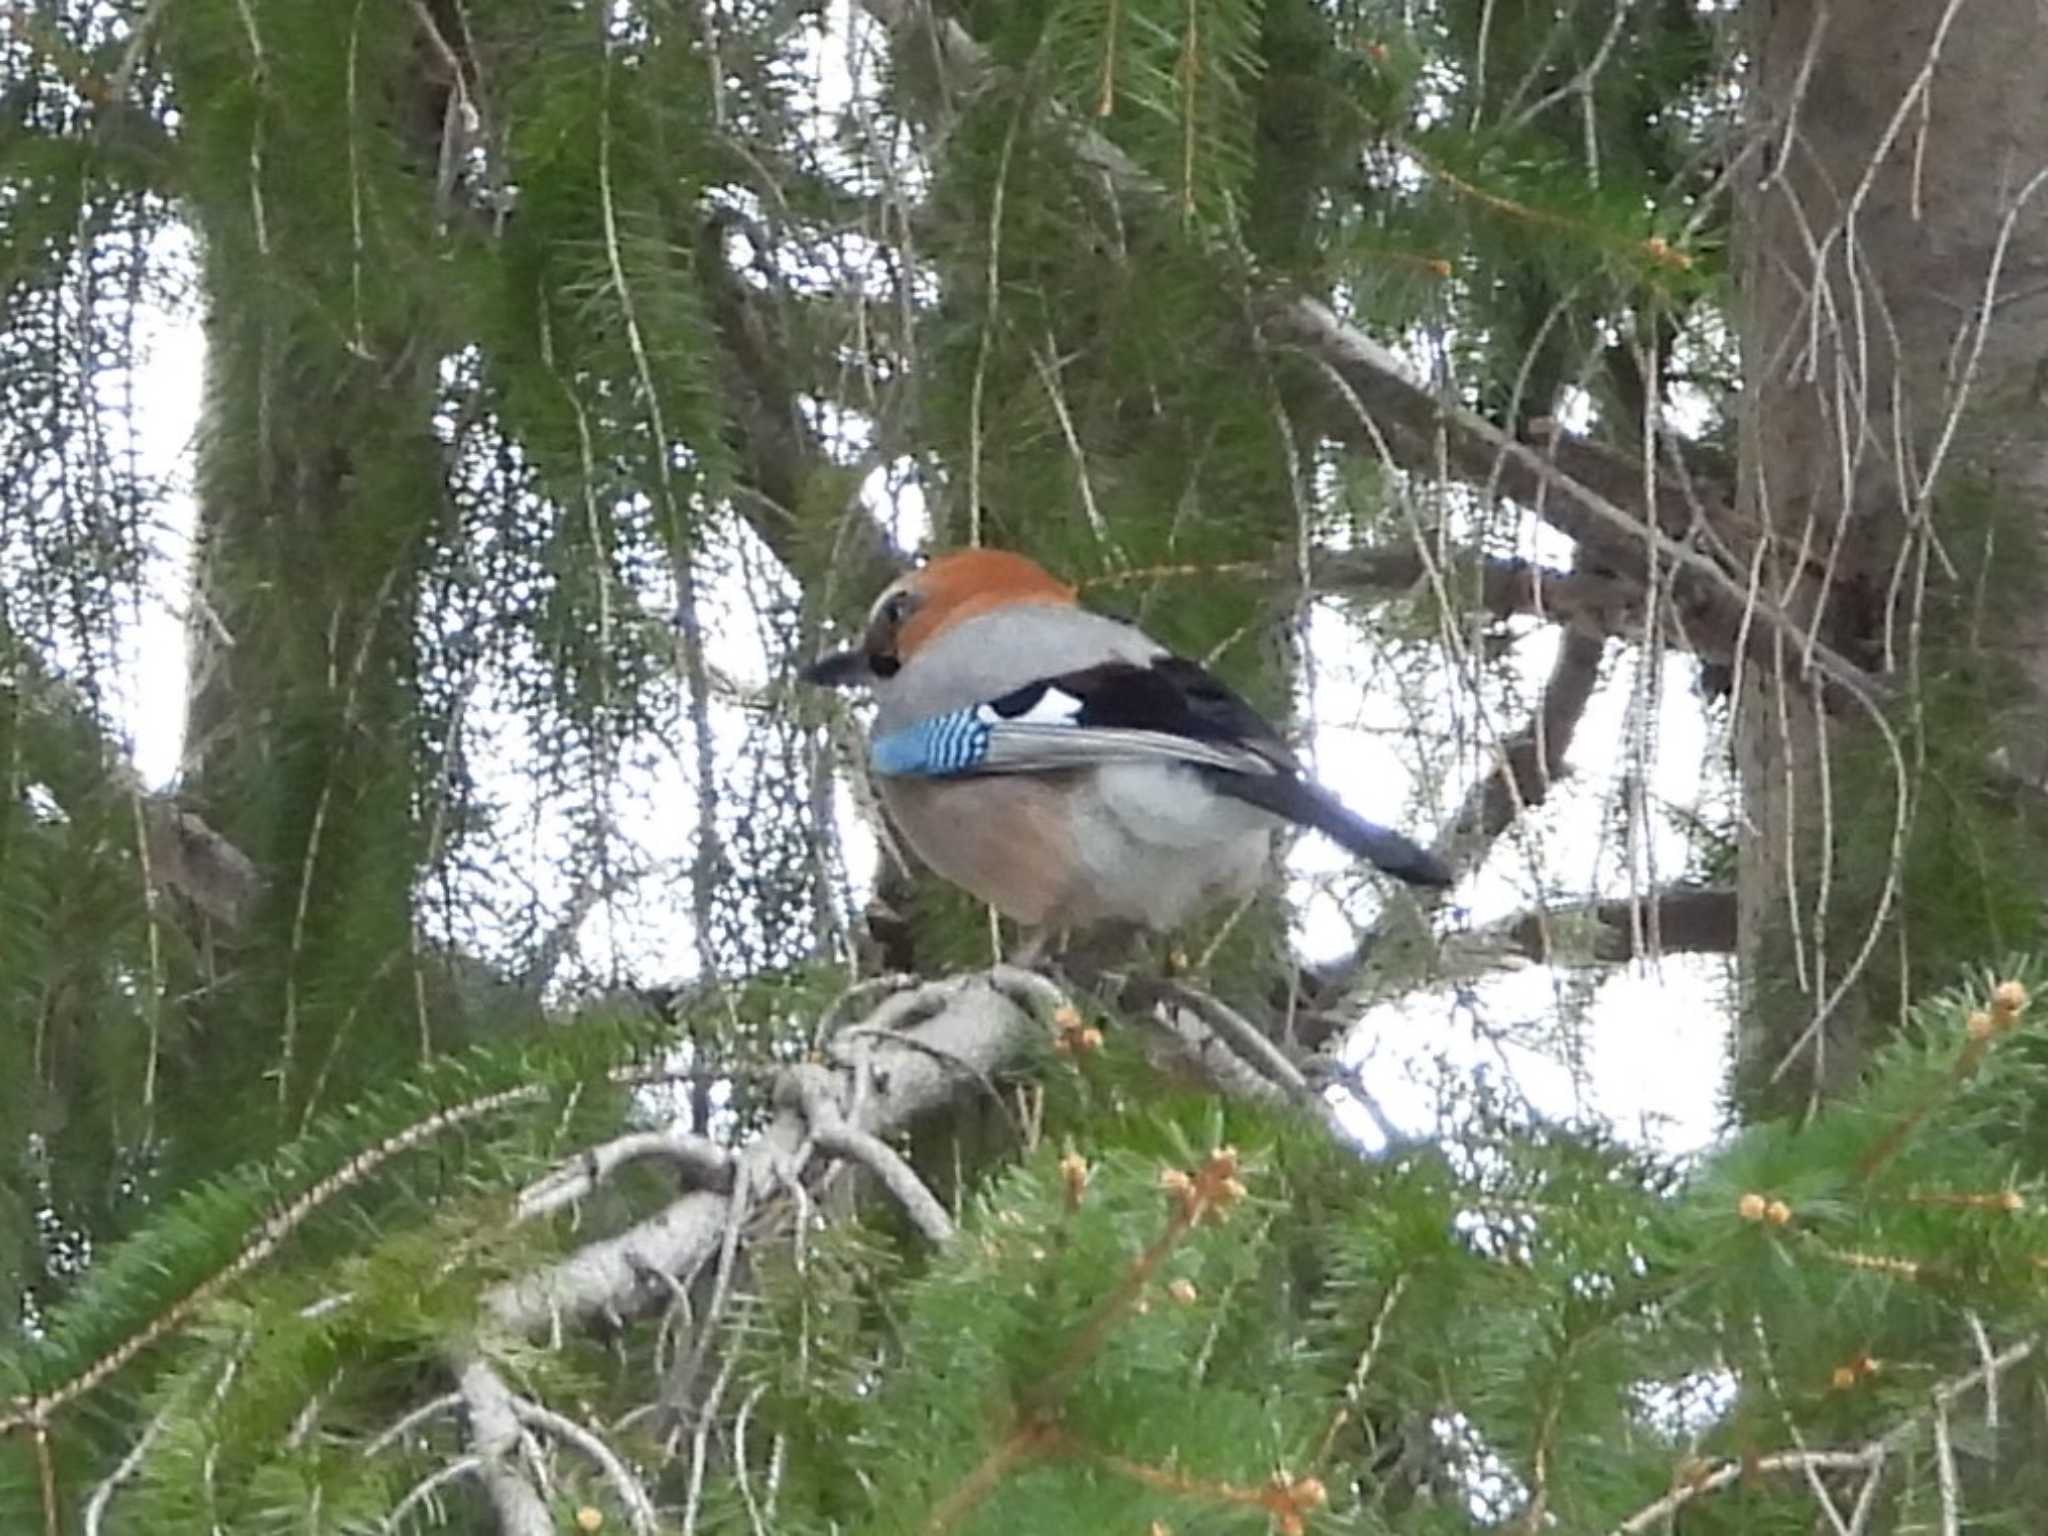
<point x="706" y="1163"/>
<point x="428" y="1486"/>
<point x="1690" y="920"/>
<point x="777" y="447"/>
<point x="639" y="1507"/>
<point x="812" y="1090"/>
<point x="1530" y="761"/>
<point x="1594" y="603"/>
<point x="1642" y="524"/>
<point x="977" y="1026"/>
<point x="1534" y="757"/>
<point x="494" y="1431"/>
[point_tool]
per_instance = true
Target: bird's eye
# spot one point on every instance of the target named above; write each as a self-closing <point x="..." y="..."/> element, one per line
<point x="896" y="608"/>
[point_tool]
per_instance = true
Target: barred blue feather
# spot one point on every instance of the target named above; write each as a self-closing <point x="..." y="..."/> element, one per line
<point x="938" y="747"/>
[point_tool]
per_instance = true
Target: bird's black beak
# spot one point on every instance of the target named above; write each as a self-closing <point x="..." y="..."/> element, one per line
<point x="839" y="669"/>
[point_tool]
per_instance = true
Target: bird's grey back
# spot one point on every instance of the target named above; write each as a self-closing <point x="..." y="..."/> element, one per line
<point x="991" y="654"/>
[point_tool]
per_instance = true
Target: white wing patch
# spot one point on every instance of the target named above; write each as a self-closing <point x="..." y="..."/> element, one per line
<point x="1052" y="707"/>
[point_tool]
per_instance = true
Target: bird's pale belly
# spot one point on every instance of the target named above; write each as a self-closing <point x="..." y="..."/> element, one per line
<point x="1137" y="843"/>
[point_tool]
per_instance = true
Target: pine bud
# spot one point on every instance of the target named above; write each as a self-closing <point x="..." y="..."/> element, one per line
<point x="1074" y="1177"/>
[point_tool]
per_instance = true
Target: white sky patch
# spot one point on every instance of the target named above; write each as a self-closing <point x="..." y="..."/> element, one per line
<point x="167" y="391"/>
<point x="1648" y="1056"/>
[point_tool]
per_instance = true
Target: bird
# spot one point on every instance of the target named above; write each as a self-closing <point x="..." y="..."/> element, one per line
<point x="1067" y="769"/>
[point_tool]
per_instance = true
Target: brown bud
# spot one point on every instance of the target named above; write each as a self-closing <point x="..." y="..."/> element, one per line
<point x="1074" y="1177"/>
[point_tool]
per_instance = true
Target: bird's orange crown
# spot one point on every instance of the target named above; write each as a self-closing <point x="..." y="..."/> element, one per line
<point x="955" y="586"/>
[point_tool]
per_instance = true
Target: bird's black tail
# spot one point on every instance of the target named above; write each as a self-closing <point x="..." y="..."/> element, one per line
<point x="1310" y="805"/>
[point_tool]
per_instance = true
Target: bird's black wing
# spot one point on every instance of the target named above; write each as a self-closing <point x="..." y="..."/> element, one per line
<point x="1170" y="695"/>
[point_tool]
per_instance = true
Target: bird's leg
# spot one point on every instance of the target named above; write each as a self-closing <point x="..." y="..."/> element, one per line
<point x="1031" y="950"/>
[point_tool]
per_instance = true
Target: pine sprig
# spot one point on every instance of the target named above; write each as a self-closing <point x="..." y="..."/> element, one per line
<point x="165" y="1277"/>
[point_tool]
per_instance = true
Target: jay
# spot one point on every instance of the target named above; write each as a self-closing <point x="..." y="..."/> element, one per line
<point x="1067" y="769"/>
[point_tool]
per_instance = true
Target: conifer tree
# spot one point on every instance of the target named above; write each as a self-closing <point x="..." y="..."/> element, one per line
<point x="487" y="1089"/>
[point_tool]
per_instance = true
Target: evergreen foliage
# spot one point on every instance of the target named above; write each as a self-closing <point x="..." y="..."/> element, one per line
<point x="478" y="1091"/>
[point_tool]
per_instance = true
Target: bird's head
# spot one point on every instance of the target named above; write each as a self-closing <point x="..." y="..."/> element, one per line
<point x="925" y="602"/>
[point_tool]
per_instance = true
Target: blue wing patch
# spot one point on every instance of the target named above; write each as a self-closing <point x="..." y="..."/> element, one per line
<point x="957" y="742"/>
<point x="935" y="748"/>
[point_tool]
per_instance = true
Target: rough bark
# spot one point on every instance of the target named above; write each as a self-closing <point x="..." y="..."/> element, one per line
<point x="1894" y="320"/>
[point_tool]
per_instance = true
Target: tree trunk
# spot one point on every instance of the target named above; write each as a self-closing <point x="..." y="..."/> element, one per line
<point x="1892" y="460"/>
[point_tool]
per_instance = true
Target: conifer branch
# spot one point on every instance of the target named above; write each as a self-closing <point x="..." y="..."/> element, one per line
<point x="411" y="1420"/>
<point x="1285" y="1501"/>
<point x="1205" y="1194"/>
<point x="1354" y="1388"/>
<point x="1864" y="1458"/>
<point x="1032" y="1437"/>
<point x="36" y="1410"/>
<point x="423" y="1490"/>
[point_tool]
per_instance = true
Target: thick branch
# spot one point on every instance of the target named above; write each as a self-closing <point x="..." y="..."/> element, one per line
<point x="813" y="1090"/>
<point x="494" y="1431"/>
<point x="1686" y="919"/>
<point x="977" y="1031"/>
<point x="705" y="1162"/>
<point x="1533" y="758"/>
<point x="776" y="446"/>
<point x="1577" y="486"/>
<point x="1591" y="602"/>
